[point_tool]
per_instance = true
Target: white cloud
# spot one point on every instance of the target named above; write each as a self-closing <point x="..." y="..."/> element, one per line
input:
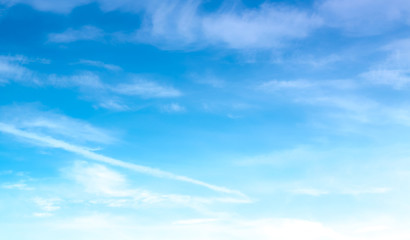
<point x="209" y="80"/>
<point x="268" y="26"/>
<point x="64" y="6"/>
<point x="274" y="85"/>
<point x="99" y="179"/>
<point x="195" y="221"/>
<point x="173" y="108"/>
<point x="91" y="83"/>
<point x="55" y="143"/>
<point x="340" y="191"/>
<point x="294" y="156"/>
<point x="47" y="204"/>
<point x="371" y="190"/>
<point x="113" y="189"/>
<point x="238" y="229"/>
<point x="397" y="79"/>
<point x="169" y="24"/>
<point x="85" y="80"/>
<point x="304" y="84"/>
<point x="365" y="17"/>
<point x="309" y="191"/>
<point x="21" y="59"/>
<point x="33" y="118"/>
<point x="19" y="186"/>
<point x="146" y="89"/>
<point x="110" y="96"/>
<point x="42" y="214"/>
<point x="109" y="226"/>
<point x="114" y="104"/>
<point x="12" y="69"/>
<point x="72" y="35"/>
<point x="393" y="70"/>
<point x="100" y="64"/>
<point x="182" y="24"/>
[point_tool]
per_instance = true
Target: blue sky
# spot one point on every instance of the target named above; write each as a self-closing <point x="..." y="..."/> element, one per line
<point x="204" y="119"/>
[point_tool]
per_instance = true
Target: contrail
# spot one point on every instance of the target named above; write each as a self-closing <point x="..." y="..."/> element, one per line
<point x="55" y="143"/>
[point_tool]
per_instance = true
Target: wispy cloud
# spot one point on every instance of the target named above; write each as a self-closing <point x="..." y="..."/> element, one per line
<point x="365" y="17"/>
<point x="392" y="70"/>
<point x="266" y="27"/>
<point x="113" y="189"/>
<point x="71" y="35"/>
<point x="183" y="24"/>
<point x="144" y="88"/>
<point x="207" y="79"/>
<point x="47" y="204"/>
<point x="338" y="99"/>
<point x="305" y="84"/>
<point x="135" y="87"/>
<point x="18" y="186"/>
<point x="100" y="64"/>
<point x="55" y="143"/>
<point x="12" y="69"/>
<point x="309" y="191"/>
<point x="114" y="96"/>
<point x="264" y="229"/>
<point x="346" y="191"/>
<point x="32" y="118"/>
<point x="395" y="78"/>
<point x="173" y="108"/>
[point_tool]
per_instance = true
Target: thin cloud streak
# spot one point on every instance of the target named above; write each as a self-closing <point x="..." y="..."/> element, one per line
<point x="55" y="143"/>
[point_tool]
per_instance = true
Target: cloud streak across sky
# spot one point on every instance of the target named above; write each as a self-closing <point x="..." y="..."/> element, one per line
<point x="55" y="143"/>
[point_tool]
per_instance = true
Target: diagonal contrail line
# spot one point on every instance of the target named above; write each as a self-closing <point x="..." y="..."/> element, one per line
<point x="55" y="143"/>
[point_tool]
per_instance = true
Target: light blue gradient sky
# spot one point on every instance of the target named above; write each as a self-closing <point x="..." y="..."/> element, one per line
<point x="204" y="119"/>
